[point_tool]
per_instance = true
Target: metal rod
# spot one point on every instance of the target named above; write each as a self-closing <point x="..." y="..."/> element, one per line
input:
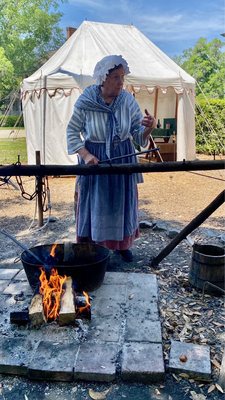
<point x="22" y="246"/>
<point x="73" y="170"/>
<point x="207" y="283"/>
<point x="217" y="202"/>
<point x="127" y="155"/>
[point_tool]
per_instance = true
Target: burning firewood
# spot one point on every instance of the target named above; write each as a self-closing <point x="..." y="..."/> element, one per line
<point x="36" y="312"/>
<point x="83" y="306"/>
<point x="67" y="307"/>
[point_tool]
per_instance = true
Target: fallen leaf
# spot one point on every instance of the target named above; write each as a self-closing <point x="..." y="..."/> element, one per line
<point x="211" y="388"/>
<point x="98" y="395"/>
<point x="183" y="375"/>
<point x="215" y="363"/>
<point x="219" y="388"/>
<point x="175" y="377"/>
<point x="197" y="396"/>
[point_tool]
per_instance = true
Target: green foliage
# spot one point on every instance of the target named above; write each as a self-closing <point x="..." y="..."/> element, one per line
<point x="206" y="63"/>
<point x="10" y="149"/>
<point x="210" y="126"/>
<point x="28" y="32"/>
<point x="6" y="74"/>
<point x="12" y="120"/>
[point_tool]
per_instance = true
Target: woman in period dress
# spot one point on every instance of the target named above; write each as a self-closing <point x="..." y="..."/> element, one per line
<point x="106" y="120"/>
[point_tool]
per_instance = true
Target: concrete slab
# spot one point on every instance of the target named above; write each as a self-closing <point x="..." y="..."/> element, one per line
<point x="105" y="329"/>
<point x="8" y="273"/>
<point x="137" y="281"/>
<point x="141" y="329"/>
<point x="197" y="360"/>
<point x="14" y="355"/>
<point x="118" y="278"/>
<point x="96" y="362"/>
<point x="142" y="362"/>
<point x="114" y="292"/>
<point x="3" y="284"/>
<point x="21" y="276"/>
<point x="53" y="361"/>
<point x="18" y="287"/>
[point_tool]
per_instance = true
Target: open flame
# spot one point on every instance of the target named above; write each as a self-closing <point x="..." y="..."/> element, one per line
<point x="52" y="290"/>
<point x="82" y="309"/>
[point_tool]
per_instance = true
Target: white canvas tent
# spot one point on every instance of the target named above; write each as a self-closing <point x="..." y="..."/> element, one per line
<point x="159" y="84"/>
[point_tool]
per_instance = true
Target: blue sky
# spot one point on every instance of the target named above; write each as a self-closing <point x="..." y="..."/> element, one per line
<point x="172" y="25"/>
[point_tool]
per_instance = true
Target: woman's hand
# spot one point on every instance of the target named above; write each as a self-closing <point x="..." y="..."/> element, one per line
<point x="149" y="121"/>
<point x="88" y="158"/>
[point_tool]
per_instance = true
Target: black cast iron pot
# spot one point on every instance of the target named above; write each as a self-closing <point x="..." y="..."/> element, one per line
<point x="86" y="263"/>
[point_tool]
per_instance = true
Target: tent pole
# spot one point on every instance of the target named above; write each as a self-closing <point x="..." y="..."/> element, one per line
<point x="39" y="191"/>
<point x="156" y="102"/>
<point x="44" y="117"/>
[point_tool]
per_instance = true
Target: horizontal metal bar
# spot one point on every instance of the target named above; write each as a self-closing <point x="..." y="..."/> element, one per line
<point x="73" y="170"/>
<point x="109" y="160"/>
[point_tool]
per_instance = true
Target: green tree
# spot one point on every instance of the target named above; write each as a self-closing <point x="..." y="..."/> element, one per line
<point x="28" y="32"/>
<point x="206" y="63"/>
<point x="6" y="74"/>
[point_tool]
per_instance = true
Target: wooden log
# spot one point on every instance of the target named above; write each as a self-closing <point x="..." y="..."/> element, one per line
<point x="19" y="317"/>
<point x="82" y="310"/>
<point x="36" y="312"/>
<point x="67" y="307"/>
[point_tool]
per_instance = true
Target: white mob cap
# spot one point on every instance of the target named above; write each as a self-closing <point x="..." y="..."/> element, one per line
<point x="105" y="64"/>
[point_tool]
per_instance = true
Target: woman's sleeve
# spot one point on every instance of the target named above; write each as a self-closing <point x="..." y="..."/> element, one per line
<point x="137" y="129"/>
<point x="74" y="130"/>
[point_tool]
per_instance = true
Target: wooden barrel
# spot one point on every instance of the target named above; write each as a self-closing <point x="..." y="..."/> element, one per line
<point x="207" y="265"/>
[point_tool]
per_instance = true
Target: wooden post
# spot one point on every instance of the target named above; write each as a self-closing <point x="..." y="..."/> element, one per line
<point x="156" y="102"/>
<point x="39" y="191"/>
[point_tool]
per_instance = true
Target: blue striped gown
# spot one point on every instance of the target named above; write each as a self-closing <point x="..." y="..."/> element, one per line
<point x="107" y="204"/>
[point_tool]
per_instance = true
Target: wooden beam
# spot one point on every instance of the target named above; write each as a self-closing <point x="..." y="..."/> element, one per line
<point x="102" y="169"/>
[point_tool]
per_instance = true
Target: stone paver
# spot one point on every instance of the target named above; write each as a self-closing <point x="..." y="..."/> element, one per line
<point x="124" y="334"/>
<point x="196" y="360"/>
<point x="105" y="329"/>
<point x="3" y="284"/>
<point x="8" y="273"/>
<point x="54" y="361"/>
<point x="14" y="355"/>
<point x="142" y="362"/>
<point x="17" y="288"/>
<point x="21" y="276"/>
<point x="147" y="331"/>
<point x="96" y="362"/>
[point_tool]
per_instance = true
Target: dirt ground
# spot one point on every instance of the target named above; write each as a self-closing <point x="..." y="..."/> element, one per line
<point x="173" y="199"/>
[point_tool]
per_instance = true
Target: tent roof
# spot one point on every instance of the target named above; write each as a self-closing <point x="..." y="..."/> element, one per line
<point x="73" y="64"/>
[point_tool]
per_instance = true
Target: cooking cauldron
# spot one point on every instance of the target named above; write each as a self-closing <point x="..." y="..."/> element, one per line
<point x="86" y="263"/>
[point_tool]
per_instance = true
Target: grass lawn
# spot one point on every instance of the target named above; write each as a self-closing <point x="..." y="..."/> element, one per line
<point x="10" y="149"/>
